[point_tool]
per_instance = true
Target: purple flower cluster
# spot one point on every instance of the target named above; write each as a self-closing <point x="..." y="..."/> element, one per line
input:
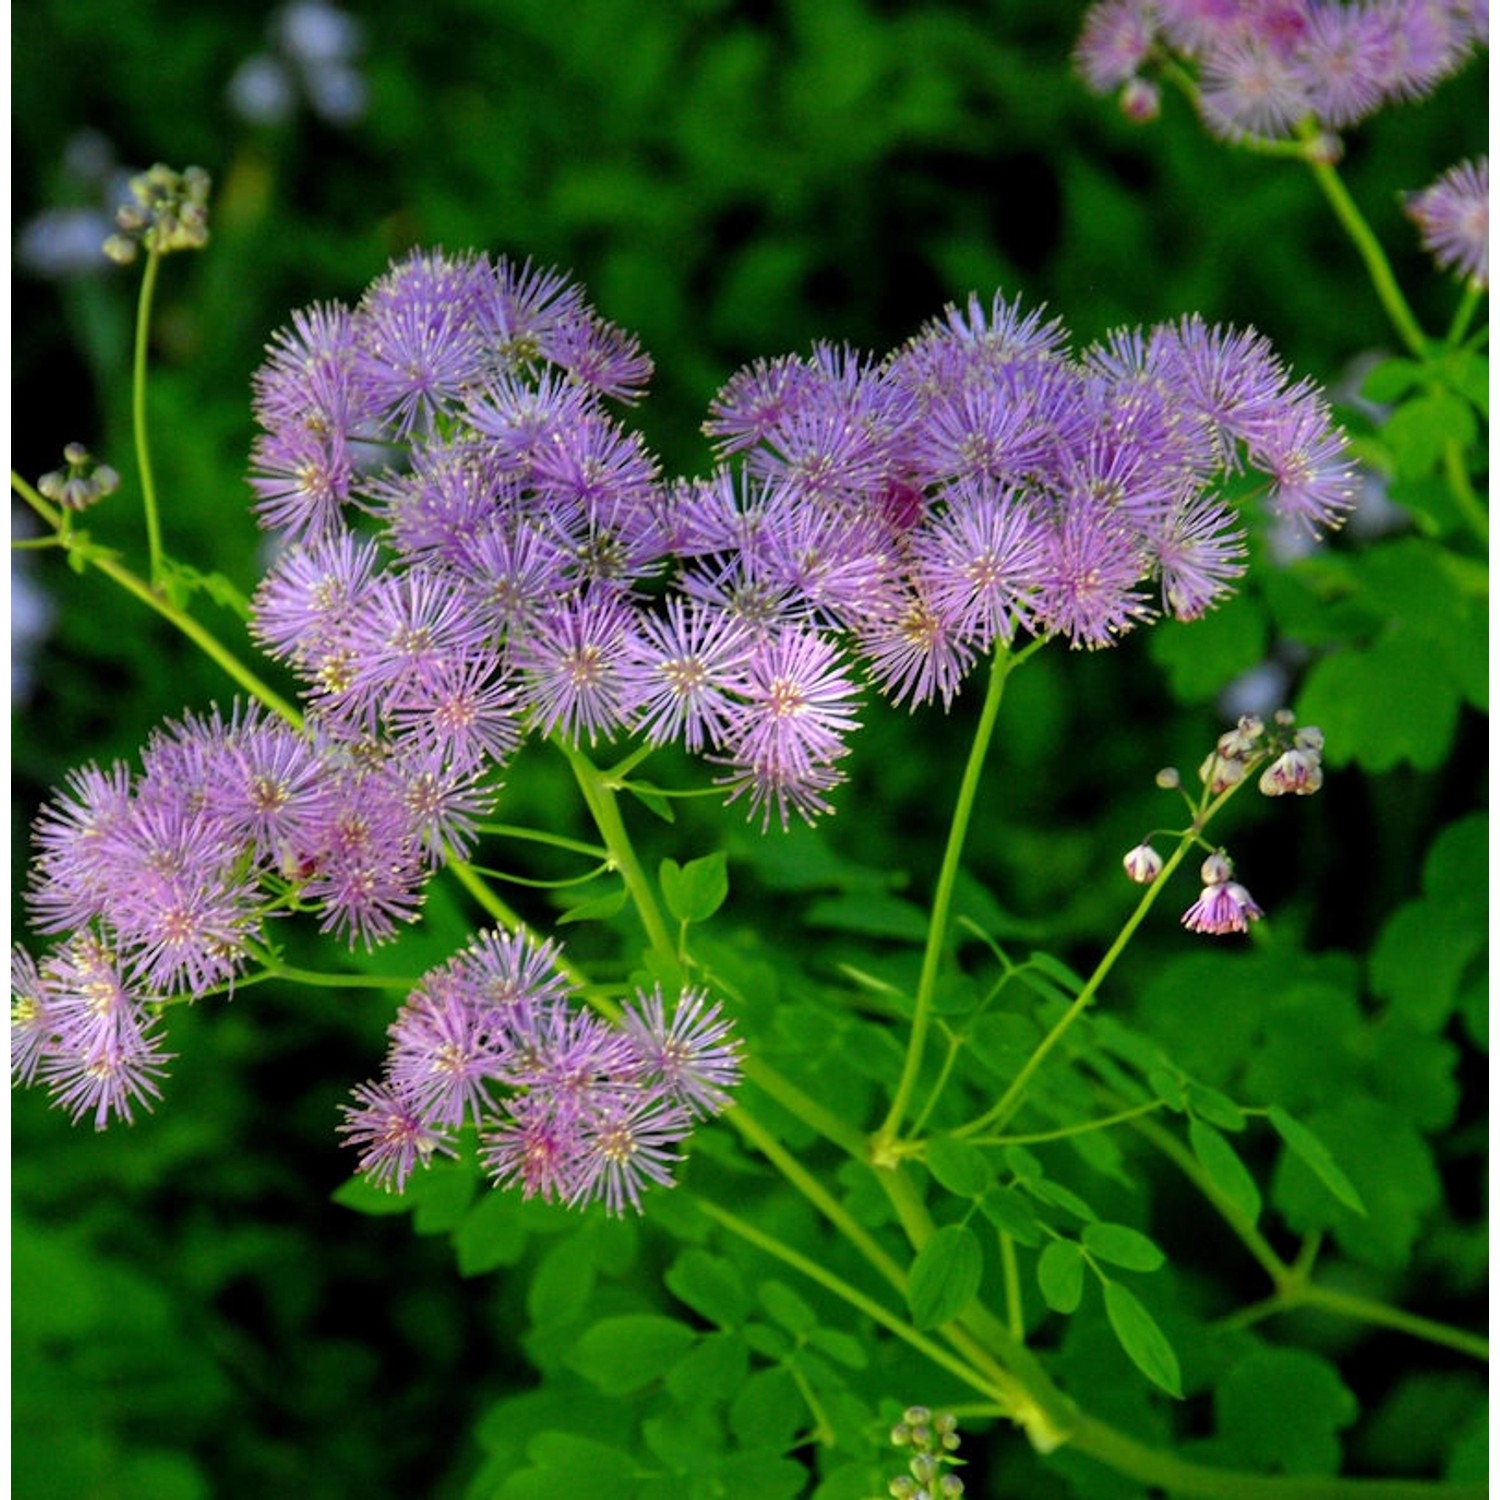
<point x="1266" y="66"/>
<point x="566" y="1106"/>
<point x="1453" y="215"/>
<point x="163" y="881"/>
<point x="475" y="548"/>
<point x="886" y="522"/>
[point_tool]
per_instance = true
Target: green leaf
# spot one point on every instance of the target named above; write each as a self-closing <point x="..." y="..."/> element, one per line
<point x="1390" y="380"/>
<point x="1059" y="1274"/>
<point x="1141" y="1338"/>
<point x="1282" y="1408"/>
<point x="714" y="1370"/>
<point x="364" y="1197"/>
<point x="695" y="891"/>
<point x="769" y="1410"/>
<point x="711" y="1286"/>
<point x="1024" y="1165"/>
<point x="1348" y="695"/>
<point x="1009" y="1211"/>
<point x="1002" y="1042"/>
<point x="1224" y="1168"/>
<point x="1315" y="1155"/>
<point x="1391" y="1168"/>
<point x="840" y="1346"/>
<point x="945" y="1276"/>
<point x="1119" y="1245"/>
<point x="870" y="914"/>
<point x="622" y="1354"/>
<point x="1218" y="1109"/>
<point x="958" y="1166"/>
<point x="563" y="1281"/>
<point x="1418" y="431"/>
<point x="1065" y="1199"/>
<point x="571" y="1464"/>
<point x="490" y="1236"/>
<point x="1200" y="656"/>
<point x="597" y="909"/>
<point x="766" y="1475"/>
<point x="441" y="1195"/>
<point x="1168" y="1088"/>
<point x="652" y="800"/>
<point x="787" y="1308"/>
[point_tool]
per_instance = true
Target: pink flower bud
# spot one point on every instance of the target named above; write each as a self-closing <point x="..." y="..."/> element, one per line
<point x="1140" y="101"/>
<point x="1218" y="867"/>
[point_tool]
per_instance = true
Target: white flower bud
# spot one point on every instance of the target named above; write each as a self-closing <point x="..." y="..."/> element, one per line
<point x="1143" y="864"/>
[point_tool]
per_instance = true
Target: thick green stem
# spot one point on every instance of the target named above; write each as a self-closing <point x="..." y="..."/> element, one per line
<point x="604" y="808"/>
<point x="1166" y="1471"/>
<point x="1381" y="276"/>
<point x="942" y="902"/>
<point x="138" y="412"/>
<point x="199" y="635"/>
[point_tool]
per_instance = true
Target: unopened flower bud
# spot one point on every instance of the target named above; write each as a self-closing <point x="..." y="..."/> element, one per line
<point x="1217" y="867"/>
<point x="903" y="1487"/>
<point x="924" y="1468"/>
<point x="945" y="1422"/>
<point x="1218" y="773"/>
<point x="1284" y="718"/>
<point x="900" y="1435"/>
<point x="1169" y="778"/>
<point x="120" y="249"/>
<point x="1310" y="737"/>
<point x="1325" y="149"/>
<point x="1143" y="864"/>
<point x="1140" y="101"/>
<point x="1241" y="740"/>
<point x="1295" y="771"/>
<point x="76" y="455"/>
<point x="950" y="1486"/>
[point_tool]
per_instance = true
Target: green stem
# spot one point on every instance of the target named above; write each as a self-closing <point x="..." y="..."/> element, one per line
<point x="1464" y="313"/>
<point x="538" y="836"/>
<point x="937" y="928"/>
<point x="1238" y="1221"/>
<point x="1469" y="504"/>
<point x="138" y="412"/>
<point x="1297" y="1294"/>
<point x="1015" y="1316"/>
<point x="1010" y="1101"/>
<point x="604" y="807"/>
<point x="198" y="634"/>
<point x="819" y="1196"/>
<point x="1068" y="1131"/>
<point x="832" y="1127"/>
<point x="1166" y="1471"/>
<point x="855" y="1298"/>
<point x="1374" y="257"/>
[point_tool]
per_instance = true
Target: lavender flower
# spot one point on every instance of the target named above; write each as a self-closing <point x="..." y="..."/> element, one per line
<point x="1265" y="66"/>
<point x="1453" y="215"/>
<point x="567" y="1107"/>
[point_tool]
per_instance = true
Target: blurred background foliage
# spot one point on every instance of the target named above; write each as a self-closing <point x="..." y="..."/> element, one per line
<point x="193" y="1316"/>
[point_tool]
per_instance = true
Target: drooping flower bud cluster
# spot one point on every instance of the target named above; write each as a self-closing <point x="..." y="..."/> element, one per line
<point x="933" y="1439"/>
<point x="167" y="210"/>
<point x="1264" y="67"/>
<point x="81" y="483"/>
<point x="567" y="1107"/>
<point x="1292" y="761"/>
